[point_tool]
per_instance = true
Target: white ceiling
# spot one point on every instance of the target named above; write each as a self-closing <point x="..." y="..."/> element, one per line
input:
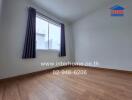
<point x="71" y="10"/>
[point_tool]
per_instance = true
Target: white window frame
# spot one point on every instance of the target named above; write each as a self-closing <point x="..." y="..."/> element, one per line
<point x="52" y="22"/>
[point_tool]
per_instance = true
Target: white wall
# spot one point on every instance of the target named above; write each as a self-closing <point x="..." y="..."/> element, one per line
<point x="0" y="24"/>
<point x="14" y="20"/>
<point x="0" y="12"/>
<point x="105" y="39"/>
<point x="0" y="6"/>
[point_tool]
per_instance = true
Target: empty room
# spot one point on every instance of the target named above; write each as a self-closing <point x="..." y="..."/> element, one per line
<point x="65" y="50"/>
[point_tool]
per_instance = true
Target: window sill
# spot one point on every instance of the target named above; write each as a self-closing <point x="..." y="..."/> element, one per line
<point x="48" y="50"/>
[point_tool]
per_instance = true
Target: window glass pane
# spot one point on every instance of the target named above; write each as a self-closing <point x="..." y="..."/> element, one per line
<point x="54" y="36"/>
<point x="42" y="33"/>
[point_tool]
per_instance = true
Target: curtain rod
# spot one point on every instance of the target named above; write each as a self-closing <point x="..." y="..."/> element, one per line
<point x="48" y="17"/>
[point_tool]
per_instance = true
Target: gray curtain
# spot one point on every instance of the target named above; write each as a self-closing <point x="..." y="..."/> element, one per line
<point x="29" y="50"/>
<point x="63" y="46"/>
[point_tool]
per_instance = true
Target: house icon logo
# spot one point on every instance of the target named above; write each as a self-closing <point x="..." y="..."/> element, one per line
<point x="117" y="10"/>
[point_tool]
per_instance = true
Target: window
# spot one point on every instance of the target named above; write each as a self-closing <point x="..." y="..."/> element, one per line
<point x="47" y="34"/>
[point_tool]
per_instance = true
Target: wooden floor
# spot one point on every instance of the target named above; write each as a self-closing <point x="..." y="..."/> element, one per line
<point x="96" y="85"/>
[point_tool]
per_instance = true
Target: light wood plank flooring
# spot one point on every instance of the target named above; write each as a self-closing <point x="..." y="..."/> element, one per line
<point x="96" y="85"/>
